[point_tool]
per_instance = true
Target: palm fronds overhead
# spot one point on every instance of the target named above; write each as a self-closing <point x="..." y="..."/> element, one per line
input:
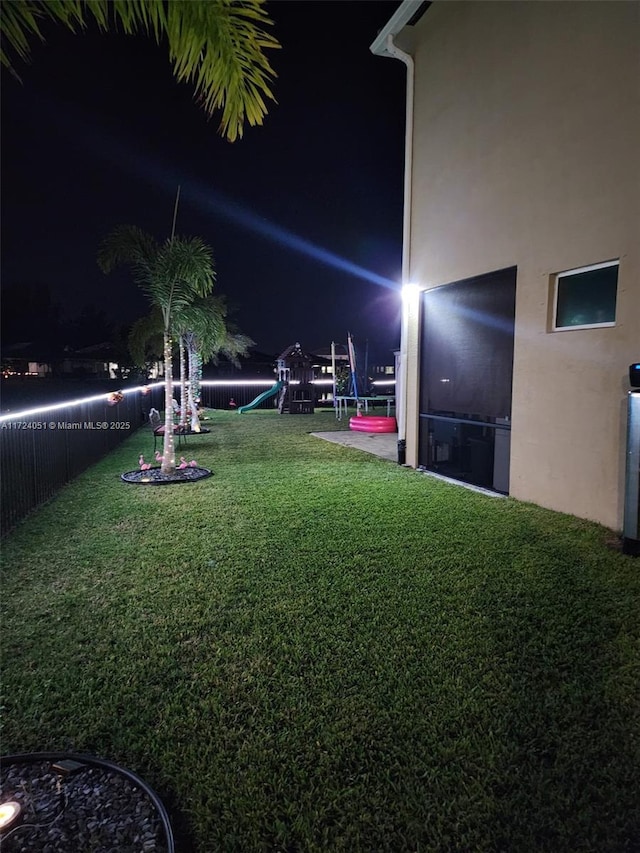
<point x="217" y="46"/>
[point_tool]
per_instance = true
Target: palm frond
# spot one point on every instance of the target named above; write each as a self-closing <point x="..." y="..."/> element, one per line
<point x="183" y="271"/>
<point x="235" y="344"/>
<point x="145" y="338"/>
<point x="128" y="244"/>
<point x="218" y="46"/>
<point x="232" y="344"/>
<point x="19" y="24"/>
<point x="171" y="274"/>
<point x="203" y="323"/>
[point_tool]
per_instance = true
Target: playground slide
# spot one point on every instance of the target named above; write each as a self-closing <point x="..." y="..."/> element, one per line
<point x="261" y="397"/>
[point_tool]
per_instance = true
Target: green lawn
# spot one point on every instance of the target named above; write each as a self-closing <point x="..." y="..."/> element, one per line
<point x="318" y="650"/>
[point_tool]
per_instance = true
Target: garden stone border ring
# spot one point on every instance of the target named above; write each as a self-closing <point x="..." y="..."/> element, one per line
<point x="76" y="801"/>
<point x="155" y="477"/>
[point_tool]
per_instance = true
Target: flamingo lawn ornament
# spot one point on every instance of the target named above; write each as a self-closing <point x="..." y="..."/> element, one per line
<point x="184" y="464"/>
<point x="159" y="457"/>
<point x="144" y="466"/>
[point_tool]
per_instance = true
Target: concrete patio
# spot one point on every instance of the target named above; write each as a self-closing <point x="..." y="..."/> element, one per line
<point x="384" y="445"/>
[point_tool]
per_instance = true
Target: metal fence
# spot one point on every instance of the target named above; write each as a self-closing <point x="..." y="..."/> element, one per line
<point x="219" y="393"/>
<point x="43" y="448"/>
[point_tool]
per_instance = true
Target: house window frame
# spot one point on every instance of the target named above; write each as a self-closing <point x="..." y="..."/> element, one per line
<point x="556" y="279"/>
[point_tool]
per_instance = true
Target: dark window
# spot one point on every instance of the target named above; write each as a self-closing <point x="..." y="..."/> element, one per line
<point x="586" y="297"/>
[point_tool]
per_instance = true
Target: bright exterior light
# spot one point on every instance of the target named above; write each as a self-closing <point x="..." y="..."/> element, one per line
<point x="9" y="815"/>
<point x="409" y="292"/>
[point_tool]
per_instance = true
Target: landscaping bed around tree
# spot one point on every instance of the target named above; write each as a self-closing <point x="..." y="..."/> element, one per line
<point x="316" y="649"/>
<point x="74" y="803"/>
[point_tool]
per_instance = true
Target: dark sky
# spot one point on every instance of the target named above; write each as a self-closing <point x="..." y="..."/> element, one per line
<point x="100" y="134"/>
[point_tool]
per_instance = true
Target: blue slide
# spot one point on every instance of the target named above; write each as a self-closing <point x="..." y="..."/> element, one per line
<point x="261" y="397"/>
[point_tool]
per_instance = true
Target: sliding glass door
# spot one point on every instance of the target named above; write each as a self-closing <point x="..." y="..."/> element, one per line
<point x="466" y="372"/>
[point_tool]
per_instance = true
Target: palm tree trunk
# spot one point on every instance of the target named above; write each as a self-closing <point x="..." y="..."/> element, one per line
<point x="197" y="381"/>
<point x="183" y="386"/>
<point x="168" y="454"/>
<point x="193" y="368"/>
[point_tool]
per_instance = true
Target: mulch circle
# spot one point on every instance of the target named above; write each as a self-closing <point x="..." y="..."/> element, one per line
<point x="93" y="809"/>
<point x="155" y="477"/>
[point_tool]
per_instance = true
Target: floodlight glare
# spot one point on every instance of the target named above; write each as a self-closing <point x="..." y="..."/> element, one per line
<point x="410" y="292"/>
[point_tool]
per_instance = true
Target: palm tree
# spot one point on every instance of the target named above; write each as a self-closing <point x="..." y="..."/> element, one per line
<point x="207" y="334"/>
<point x="146" y="337"/>
<point x="215" y="45"/>
<point x="198" y="322"/>
<point x="172" y="274"/>
<point x="205" y="331"/>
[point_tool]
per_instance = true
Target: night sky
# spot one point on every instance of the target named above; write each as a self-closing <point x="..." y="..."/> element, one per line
<point x="99" y="134"/>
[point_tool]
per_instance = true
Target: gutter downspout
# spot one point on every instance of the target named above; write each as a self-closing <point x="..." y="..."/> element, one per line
<point x="392" y="50"/>
<point x="396" y="53"/>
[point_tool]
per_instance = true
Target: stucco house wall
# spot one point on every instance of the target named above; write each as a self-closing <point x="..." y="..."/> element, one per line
<point x="526" y="142"/>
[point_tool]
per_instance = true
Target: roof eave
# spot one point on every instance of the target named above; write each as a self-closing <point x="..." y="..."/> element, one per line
<point x="404" y="14"/>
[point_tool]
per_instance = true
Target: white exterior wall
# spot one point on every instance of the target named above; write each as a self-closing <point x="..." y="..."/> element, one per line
<point x="526" y="152"/>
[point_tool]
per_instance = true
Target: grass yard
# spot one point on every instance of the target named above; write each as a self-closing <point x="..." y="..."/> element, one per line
<point x="319" y="650"/>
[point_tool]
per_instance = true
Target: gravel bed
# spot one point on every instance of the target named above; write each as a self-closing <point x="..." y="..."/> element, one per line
<point x="92" y="810"/>
<point x="155" y="477"/>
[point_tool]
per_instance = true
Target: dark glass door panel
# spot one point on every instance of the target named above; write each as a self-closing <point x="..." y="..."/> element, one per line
<point x="466" y="371"/>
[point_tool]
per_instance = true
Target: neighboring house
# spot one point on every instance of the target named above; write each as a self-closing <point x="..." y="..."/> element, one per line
<point x="105" y="360"/>
<point x="377" y="371"/>
<point x="93" y="361"/>
<point x="326" y="355"/>
<point x="99" y="361"/>
<point x="522" y="234"/>
<point x="373" y="377"/>
<point x="26" y="359"/>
